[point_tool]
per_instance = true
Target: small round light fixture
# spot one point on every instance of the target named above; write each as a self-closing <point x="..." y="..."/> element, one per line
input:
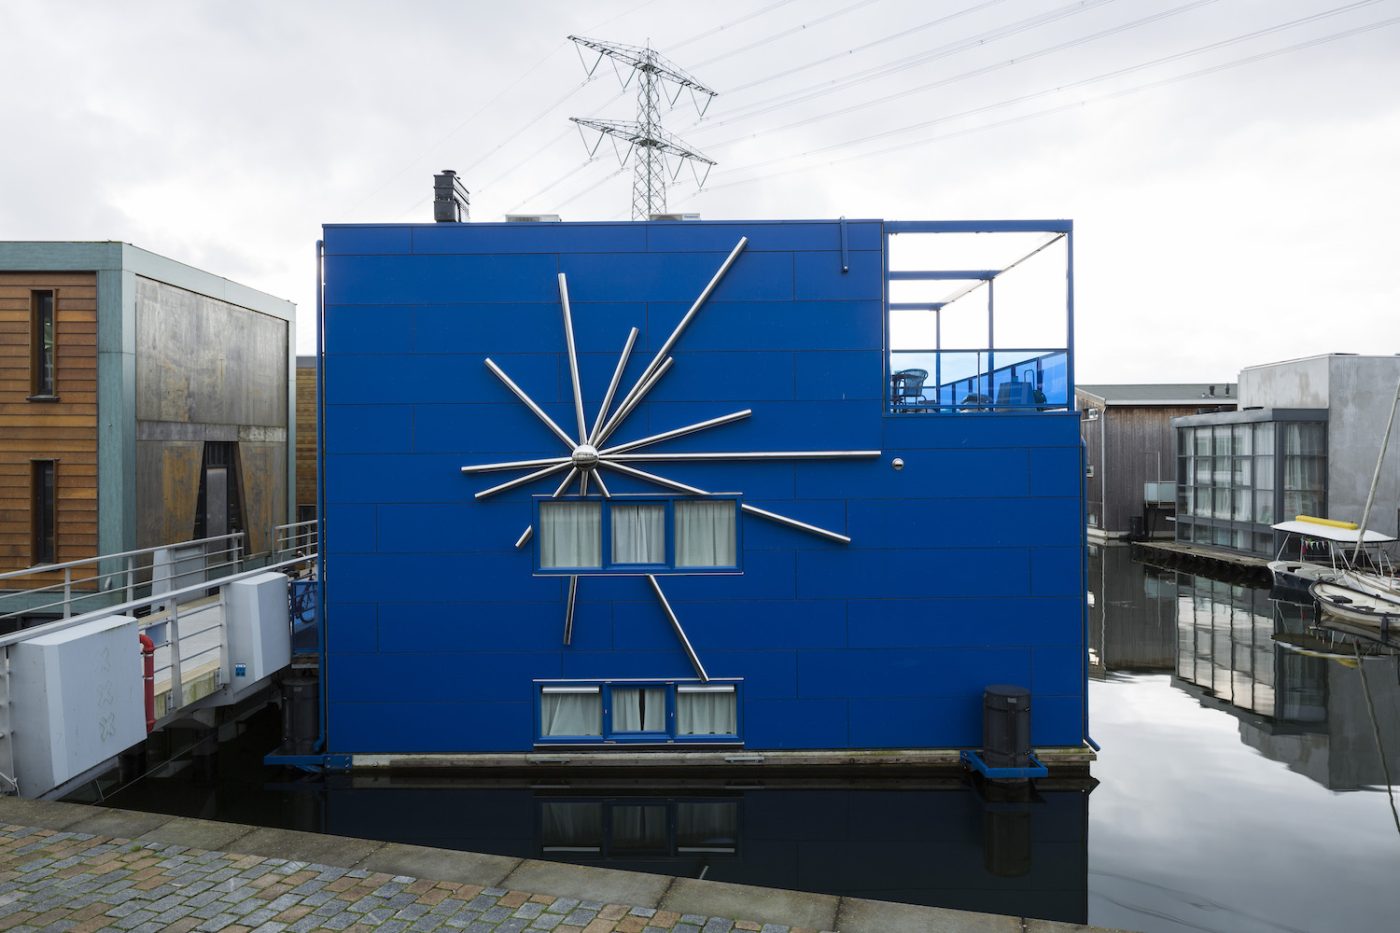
<point x="897" y="463"/>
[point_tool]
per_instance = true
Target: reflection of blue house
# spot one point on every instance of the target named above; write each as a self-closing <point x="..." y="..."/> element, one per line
<point x="806" y="557"/>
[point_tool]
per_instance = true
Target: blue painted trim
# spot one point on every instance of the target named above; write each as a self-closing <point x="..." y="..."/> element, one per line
<point x="845" y="253"/>
<point x="974" y="761"/>
<point x="979" y="226"/>
<point x="312" y="764"/>
<point x="917" y="305"/>
<point x="1069" y="315"/>
<point x="945" y="275"/>
<point x="324" y="672"/>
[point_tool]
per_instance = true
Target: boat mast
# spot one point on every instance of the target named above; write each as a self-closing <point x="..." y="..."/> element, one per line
<point x="1375" y="477"/>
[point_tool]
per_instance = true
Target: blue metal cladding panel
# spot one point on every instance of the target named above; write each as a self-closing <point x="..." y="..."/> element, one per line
<point x="965" y="567"/>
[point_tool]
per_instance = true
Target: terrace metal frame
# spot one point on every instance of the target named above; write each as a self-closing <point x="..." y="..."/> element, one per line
<point x="1057" y="229"/>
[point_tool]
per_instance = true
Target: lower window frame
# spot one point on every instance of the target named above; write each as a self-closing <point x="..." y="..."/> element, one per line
<point x="611" y="738"/>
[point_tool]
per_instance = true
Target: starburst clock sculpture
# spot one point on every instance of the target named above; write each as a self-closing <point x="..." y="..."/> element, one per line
<point x="587" y="453"/>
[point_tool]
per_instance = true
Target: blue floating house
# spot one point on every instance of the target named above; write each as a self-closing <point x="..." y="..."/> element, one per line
<point x="697" y="485"/>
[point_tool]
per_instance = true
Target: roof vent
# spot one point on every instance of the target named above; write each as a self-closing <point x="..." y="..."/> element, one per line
<point x="675" y="216"/>
<point x="532" y="218"/>
<point x="451" y="201"/>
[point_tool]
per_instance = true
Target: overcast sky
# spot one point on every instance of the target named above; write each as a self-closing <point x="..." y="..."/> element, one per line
<point x="1232" y="205"/>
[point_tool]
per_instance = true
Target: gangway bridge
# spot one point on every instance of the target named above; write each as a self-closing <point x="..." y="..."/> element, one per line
<point x="97" y="653"/>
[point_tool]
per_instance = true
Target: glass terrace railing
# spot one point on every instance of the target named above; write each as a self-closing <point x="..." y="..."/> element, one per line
<point x="979" y="316"/>
<point x="978" y="380"/>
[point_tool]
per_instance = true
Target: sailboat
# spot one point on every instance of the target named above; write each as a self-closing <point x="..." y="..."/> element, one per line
<point x="1364" y="592"/>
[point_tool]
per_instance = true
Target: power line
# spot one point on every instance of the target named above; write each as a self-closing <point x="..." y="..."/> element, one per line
<point x="645" y="137"/>
<point x="698" y="36"/>
<point x="979" y="72"/>
<point x="767" y="105"/>
<point x="484" y="107"/>
<point x="734" y="22"/>
<point x="1136" y="89"/>
<point x="856" y="50"/>
<point x="794" y="30"/>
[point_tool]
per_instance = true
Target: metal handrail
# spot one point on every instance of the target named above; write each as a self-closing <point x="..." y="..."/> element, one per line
<point x="70" y="600"/>
<point x="49" y="568"/>
<point x="59" y="625"/>
<point x="233" y="551"/>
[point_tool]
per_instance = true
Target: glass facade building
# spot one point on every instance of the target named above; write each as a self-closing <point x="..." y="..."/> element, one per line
<point x="1240" y="472"/>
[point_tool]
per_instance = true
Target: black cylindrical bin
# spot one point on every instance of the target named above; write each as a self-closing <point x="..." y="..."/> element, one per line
<point x="1006" y="726"/>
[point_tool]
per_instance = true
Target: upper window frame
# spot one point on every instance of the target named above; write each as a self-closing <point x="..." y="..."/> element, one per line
<point x="669" y="567"/>
<point x="43" y="358"/>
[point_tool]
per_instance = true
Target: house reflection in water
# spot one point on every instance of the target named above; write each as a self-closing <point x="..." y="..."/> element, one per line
<point x="935" y="843"/>
<point x="1300" y="699"/>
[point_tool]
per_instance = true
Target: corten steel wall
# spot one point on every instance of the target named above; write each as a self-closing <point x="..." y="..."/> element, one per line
<point x="207" y="371"/>
<point x="965" y="567"/>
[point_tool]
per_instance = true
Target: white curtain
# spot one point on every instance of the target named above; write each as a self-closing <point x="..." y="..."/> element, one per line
<point x="571" y="534"/>
<point x="706" y="712"/>
<point x="638" y="709"/>
<point x="571" y="712"/>
<point x="707" y="826"/>
<point x="705" y="533"/>
<point x="638" y="827"/>
<point x="572" y="825"/>
<point x="639" y="534"/>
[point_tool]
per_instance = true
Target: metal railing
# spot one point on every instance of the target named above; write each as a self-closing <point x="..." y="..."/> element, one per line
<point x="295" y="538"/>
<point x="181" y="621"/>
<point x="129" y="574"/>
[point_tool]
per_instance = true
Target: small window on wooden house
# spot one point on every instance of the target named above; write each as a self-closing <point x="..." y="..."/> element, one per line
<point x="41" y="344"/>
<point x="43" y="513"/>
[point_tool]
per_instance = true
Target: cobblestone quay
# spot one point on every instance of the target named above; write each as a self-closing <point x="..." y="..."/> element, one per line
<point x="77" y="869"/>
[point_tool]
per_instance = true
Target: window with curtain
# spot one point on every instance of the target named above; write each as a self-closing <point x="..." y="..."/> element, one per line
<point x="571" y="711"/>
<point x="705" y="533"/>
<point x="571" y="534"/>
<point x="707" y="826"/>
<point x="638" y="709"/>
<point x="638" y="533"/>
<point x="703" y="710"/>
<point x="640" y="828"/>
<point x="571" y="826"/>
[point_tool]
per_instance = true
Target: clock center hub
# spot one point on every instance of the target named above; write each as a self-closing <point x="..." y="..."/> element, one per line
<point x="585" y="456"/>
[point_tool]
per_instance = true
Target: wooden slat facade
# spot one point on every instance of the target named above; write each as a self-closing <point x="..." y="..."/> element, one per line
<point x="64" y="430"/>
<point x="306" y="435"/>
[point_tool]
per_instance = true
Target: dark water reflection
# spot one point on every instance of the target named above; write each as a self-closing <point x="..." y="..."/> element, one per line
<point x="934" y="842"/>
<point x="1239" y="791"/>
<point x="1242" y="786"/>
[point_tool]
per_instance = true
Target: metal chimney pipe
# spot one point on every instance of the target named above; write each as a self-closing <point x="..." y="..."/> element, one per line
<point x="451" y="201"/>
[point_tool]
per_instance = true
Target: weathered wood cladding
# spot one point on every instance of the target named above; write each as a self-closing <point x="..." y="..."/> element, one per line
<point x="1128" y="446"/>
<point x="207" y="370"/>
<point x="63" y="430"/>
<point x="306" y="434"/>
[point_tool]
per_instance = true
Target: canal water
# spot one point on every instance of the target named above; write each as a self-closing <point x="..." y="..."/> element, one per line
<point x="1242" y="786"/>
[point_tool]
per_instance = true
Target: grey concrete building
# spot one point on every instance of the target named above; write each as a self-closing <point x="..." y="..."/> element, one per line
<point x="142" y="401"/>
<point x="1129" y="461"/>
<point x="1305" y="440"/>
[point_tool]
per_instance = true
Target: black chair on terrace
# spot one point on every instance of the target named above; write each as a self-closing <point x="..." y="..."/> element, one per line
<point x="907" y="388"/>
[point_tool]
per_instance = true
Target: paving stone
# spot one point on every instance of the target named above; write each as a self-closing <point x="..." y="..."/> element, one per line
<point x="529" y="911"/>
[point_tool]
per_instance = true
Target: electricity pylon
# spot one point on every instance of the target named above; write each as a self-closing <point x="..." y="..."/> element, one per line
<point x="644" y="136"/>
